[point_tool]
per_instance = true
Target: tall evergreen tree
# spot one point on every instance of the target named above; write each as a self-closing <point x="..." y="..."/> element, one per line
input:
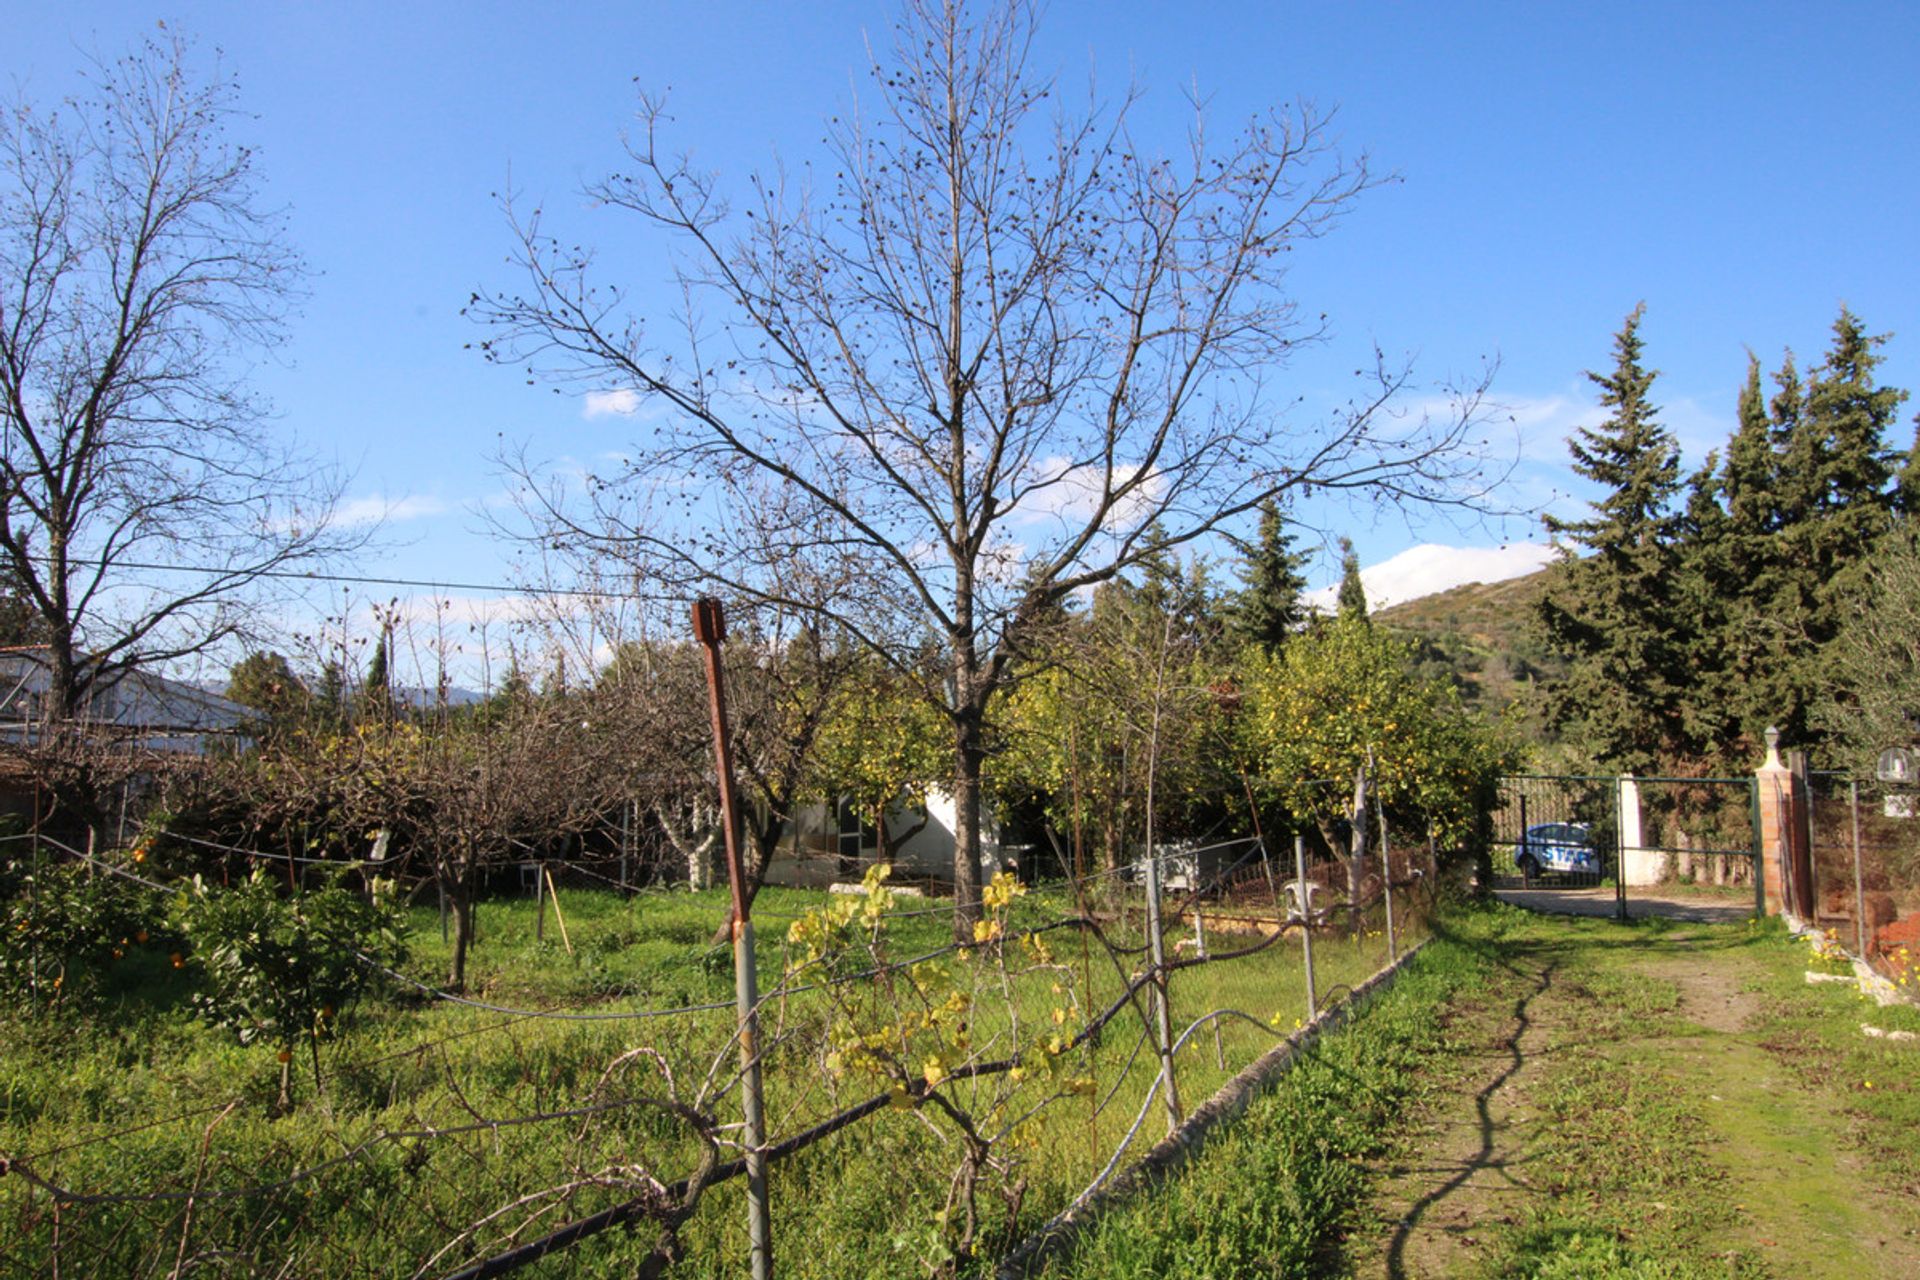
<point x="1706" y="592"/>
<point x="1353" y="593"/>
<point x="1838" y="503"/>
<point x="376" y="695"/>
<point x="1744" y="641"/>
<point x="330" y="703"/>
<point x="1267" y="609"/>
<point x="1612" y="614"/>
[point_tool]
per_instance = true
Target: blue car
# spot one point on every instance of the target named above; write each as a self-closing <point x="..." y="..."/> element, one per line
<point x="1558" y="848"/>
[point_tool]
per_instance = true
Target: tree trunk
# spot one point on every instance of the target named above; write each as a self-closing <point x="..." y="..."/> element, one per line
<point x="460" y="891"/>
<point x="967" y="757"/>
<point x="1357" y="854"/>
<point x="694" y="842"/>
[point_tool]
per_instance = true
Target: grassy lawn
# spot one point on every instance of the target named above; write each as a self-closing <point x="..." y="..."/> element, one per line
<point x="416" y="1136"/>
<point x="1657" y="1100"/>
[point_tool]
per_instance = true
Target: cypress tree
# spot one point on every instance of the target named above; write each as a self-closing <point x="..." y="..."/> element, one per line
<point x="1707" y="593"/>
<point x="1613" y="614"/>
<point x="376" y="695"/>
<point x="1839" y="502"/>
<point x="1746" y="645"/>
<point x="1353" y="594"/>
<point x="1267" y="609"/>
<point x="330" y="705"/>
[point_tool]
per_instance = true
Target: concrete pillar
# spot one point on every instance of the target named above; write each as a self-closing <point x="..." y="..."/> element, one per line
<point x="1638" y="866"/>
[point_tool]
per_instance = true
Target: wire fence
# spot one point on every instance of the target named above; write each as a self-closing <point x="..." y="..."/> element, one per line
<point x="927" y="1101"/>
<point x="1865" y="855"/>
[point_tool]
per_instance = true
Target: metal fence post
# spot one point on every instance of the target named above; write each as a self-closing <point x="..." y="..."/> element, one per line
<point x="1386" y="883"/>
<point x="1200" y="953"/>
<point x="1162" y="1016"/>
<point x="540" y="902"/>
<point x="1619" y="871"/>
<point x="1859" y="889"/>
<point x="709" y="628"/>
<point x="626" y="839"/>
<point x="1306" y="919"/>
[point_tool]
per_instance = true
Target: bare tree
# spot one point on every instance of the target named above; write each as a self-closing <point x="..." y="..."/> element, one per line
<point x="139" y="271"/>
<point x="784" y="681"/>
<point x="968" y="378"/>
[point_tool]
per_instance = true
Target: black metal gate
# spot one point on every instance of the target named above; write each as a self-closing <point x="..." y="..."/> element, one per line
<point x="1670" y="837"/>
<point x="1556" y="829"/>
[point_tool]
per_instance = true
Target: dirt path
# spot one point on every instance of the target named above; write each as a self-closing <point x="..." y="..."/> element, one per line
<point x="1464" y="1167"/>
<point x="1614" y="1075"/>
<point x="1707" y="907"/>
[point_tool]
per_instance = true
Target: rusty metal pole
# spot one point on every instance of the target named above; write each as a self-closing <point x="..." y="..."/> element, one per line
<point x="710" y="629"/>
<point x="1386" y="885"/>
<point x="1859" y="889"/>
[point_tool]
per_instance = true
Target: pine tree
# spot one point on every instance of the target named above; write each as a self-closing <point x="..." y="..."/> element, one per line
<point x="1706" y="592"/>
<point x="1267" y="609"/>
<point x="330" y="704"/>
<point x="1612" y="614"/>
<point x="1839" y="502"/>
<point x="1353" y="594"/>
<point x="376" y="695"/>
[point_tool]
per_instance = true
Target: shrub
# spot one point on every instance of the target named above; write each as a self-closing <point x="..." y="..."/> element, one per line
<point x="66" y="927"/>
<point x="281" y="969"/>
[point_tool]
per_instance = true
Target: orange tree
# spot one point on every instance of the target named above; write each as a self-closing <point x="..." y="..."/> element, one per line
<point x="882" y="744"/>
<point x="1344" y="693"/>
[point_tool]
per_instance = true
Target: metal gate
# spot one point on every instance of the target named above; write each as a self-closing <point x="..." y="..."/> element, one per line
<point x="1695" y="839"/>
<point x="1556" y="829"/>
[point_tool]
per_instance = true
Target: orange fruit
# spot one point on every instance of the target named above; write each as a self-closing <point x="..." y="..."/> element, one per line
<point x="285" y="1055"/>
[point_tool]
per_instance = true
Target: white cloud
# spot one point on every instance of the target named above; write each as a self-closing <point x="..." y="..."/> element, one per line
<point x="623" y="403"/>
<point x="1432" y="567"/>
<point x="1070" y="495"/>
<point x="1543" y="424"/>
<point x="375" y="508"/>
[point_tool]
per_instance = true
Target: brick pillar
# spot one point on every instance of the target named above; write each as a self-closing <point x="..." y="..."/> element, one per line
<point x="1784" y="857"/>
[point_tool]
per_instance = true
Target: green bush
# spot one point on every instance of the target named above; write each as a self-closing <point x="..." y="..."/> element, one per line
<point x="281" y="969"/>
<point x="67" y="927"/>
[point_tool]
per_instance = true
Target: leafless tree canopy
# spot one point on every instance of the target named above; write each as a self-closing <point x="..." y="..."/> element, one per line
<point x="139" y="271"/>
<point x="963" y="378"/>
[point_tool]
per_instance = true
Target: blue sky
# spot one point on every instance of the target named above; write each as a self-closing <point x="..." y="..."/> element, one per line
<point x="1742" y="169"/>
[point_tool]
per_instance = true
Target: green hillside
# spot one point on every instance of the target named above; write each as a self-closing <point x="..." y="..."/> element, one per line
<point x="1482" y="636"/>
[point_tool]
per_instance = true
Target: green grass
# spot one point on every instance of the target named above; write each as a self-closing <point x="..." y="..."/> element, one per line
<point x="869" y="1201"/>
<point x="1636" y="1143"/>
<point x="1272" y="1194"/>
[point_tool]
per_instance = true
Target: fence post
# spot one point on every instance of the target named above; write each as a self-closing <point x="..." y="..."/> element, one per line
<point x="1619" y="856"/>
<point x="1162" y="1016"/>
<point x="709" y="628"/>
<point x="1305" y="898"/>
<point x="1386" y="883"/>
<point x="540" y="902"/>
<point x="1200" y="953"/>
<point x="1526" y="881"/>
<point x="626" y="835"/>
<point x="1859" y="889"/>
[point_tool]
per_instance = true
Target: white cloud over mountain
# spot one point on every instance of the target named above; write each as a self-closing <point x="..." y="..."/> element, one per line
<point x="1432" y="567"/>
